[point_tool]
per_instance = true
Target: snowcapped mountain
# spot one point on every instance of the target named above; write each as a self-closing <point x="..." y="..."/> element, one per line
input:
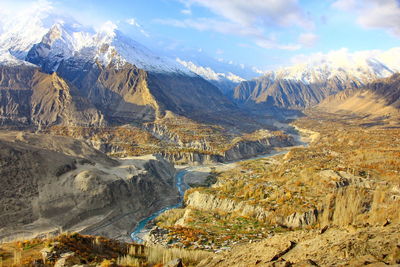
<point x="19" y="32"/>
<point x="56" y="38"/>
<point x="315" y="77"/>
<point x="363" y="66"/>
<point x="224" y="81"/>
<point x="224" y="74"/>
<point x="208" y="73"/>
<point x="87" y="76"/>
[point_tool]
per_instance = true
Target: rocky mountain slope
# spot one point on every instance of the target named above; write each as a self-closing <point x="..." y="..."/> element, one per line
<point x="379" y="98"/>
<point x="67" y="79"/>
<point x="308" y="83"/>
<point x="53" y="184"/>
<point x="120" y="80"/>
<point x="29" y="97"/>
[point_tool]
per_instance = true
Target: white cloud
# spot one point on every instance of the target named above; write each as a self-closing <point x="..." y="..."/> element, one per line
<point x="232" y="28"/>
<point x="133" y="22"/>
<point x="249" y="18"/>
<point x="255" y="12"/>
<point x="210" y="24"/>
<point x="16" y="8"/>
<point x="108" y="27"/>
<point x="308" y="39"/>
<point x="272" y="44"/>
<point x="376" y="14"/>
<point x="244" y="45"/>
<point x="385" y="14"/>
<point x="186" y="11"/>
<point x="345" y="5"/>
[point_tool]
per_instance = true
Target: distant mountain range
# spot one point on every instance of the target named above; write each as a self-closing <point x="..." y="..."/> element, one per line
<point x="226" y="82"/>
<point x="308" y="83"/>
<point x="57" y="71"/>
<point x="107" y="77"/>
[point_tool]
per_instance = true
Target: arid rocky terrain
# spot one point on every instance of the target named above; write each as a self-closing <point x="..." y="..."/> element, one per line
<point x="317" y="204"/>
<point x="56" y="184"/>
<point x="112" y="154"/>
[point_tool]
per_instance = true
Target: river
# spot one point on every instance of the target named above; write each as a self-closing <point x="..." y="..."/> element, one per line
<point x="140" y="229"/>
<point x="303" y="139"/>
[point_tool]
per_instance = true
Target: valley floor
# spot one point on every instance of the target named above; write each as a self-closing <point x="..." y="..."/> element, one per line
<point x="334" y="202"/>
<point x="346" y="180"/>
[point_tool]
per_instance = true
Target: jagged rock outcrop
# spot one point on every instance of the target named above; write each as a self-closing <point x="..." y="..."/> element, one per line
<point x="300" y="220"/>
<point x="162" y="132"/>
<point x="204" y="201"/>
<point x="239" y="150"/>
<point x="54" y="184"/>
<point x="250" y="148"/>
<point x="193" y="158"/>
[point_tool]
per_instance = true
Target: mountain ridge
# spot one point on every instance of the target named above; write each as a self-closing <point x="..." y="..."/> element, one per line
<point x="378" y="98"/>
<point x="123" y="80"/>
<point x="307" y="84"/>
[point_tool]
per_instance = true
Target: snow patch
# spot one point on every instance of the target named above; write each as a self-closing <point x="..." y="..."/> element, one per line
<point x="7" y="59"/>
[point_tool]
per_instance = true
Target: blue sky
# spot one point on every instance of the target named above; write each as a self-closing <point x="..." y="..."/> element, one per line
<point x="261" y="33"/>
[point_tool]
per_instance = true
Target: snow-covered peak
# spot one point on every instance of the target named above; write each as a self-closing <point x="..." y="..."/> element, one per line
<point x="363" y="66"/>
<point x="113" y="46"/>
<point x="55" y="38"/>
<point x="21" y="30"/>
<point x="208" y="73"/>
